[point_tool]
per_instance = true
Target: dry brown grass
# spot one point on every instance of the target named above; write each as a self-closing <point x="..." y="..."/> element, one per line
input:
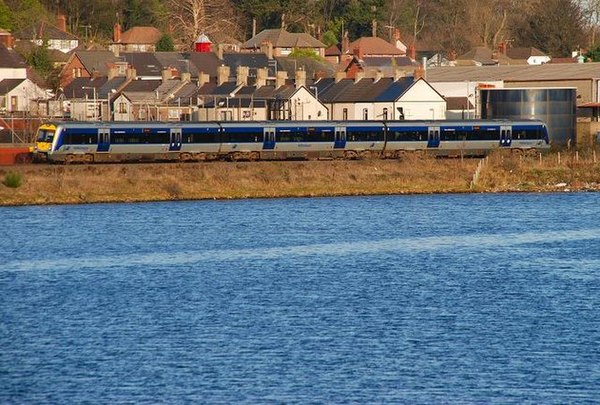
<point x="46" y="184"/>
<point x="549" y="172"/>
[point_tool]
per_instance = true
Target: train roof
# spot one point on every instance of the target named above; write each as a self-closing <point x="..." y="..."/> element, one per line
<point x="315" y="123"/>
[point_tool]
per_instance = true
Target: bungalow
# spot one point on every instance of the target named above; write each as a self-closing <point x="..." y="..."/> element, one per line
<point x="283" y="42"/>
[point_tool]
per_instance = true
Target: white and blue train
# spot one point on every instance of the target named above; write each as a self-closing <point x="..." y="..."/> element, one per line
<point x="199" y="141"/>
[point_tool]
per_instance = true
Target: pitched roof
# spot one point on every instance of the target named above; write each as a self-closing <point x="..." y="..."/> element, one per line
<point x="458" y="103"/>
<point x="225" y="89"/>
<point x="372" y="46"/>
<point x="10" y="59"/>
<point x="8" y="85"/>
<point x="485" y="56"/>
<point x="280" y="38"/>
<point x="142" y="86"/>
<point x="144" y="63"/>
<point x="43" y="30"/>
<point x="141" y="35"/>
<point x="334" y="91"/>
<point x="82" y="87"/>
<point x="364" y="90"/>
<point x="382" y="61"/>
<point x="517" y="73"/>
<point x="205" y="62"/>
<point x="312" y="67"/>
<point x="251" y="60"/>
<point x="97" y="61"/>
<point x="333" y="50"/>
<point x="396" y="89"/>
<point x="523" y="53"/>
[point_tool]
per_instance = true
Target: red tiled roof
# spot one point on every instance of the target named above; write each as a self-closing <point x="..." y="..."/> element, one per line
<point x="374" y="46"/>
<point x="141" y="35"/>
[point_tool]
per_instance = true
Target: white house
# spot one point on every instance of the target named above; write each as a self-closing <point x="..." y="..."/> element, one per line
<point x="20" y="95"/>
<point x="57" y="36"/>
<point x="384" y="99"/>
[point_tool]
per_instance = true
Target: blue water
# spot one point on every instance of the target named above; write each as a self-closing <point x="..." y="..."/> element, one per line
<point x="410" y="299"/>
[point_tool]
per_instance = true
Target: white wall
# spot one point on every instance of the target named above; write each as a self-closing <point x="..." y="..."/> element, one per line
<point x="306" y="107"/>
<point x="538" y="60"/>
<point x="10" y="73"/>
<point x="25" y="93"/>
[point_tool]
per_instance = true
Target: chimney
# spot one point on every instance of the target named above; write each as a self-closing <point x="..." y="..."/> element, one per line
<point x="222" y="74"/>
<point x="280" y="78"/>
<point x="117" y="33"/>
<point x="359" y="76"/>
<point x="502" y="48"/>
<point x="261" y="77"/>
<point x="300" y="78"/>
<point x="357" y="52"/>
<point x="61" y="22"/>
<point x="203" y="78"/>
<point x="266" y="47"/>
<point x="130" y="74"/>
<point x="186" y="77"/>
<point x="419" y="73"/>
<point x="339" y="76"/>
<point x="113" y="72"/>
<point x="242" y="73"/>
<point x="165" y="74"/>
<point x="220" y="51"/>
<point x="412" y="52"/>
<point x="7" y="40"/>
<point x="398" y="74"/>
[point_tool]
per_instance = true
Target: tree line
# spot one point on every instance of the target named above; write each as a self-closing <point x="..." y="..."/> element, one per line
<point x="556" y="27"/>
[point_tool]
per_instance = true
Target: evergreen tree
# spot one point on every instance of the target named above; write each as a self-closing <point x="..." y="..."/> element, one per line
<point x="5" y="16"/>
<point x="165" y="44"/>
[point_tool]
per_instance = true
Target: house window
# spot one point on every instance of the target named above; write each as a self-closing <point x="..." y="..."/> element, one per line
<point x="365" y="114"/>
<point x="400" y="113"/>
<point x="122" y="108"/>
<point x="385" y="114"/>
<point x="226" y="116"/>
<point x="345" y="114"/>
<point x="14" y="103"/>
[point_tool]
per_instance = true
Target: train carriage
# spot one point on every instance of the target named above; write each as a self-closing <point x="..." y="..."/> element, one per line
<point x="197" y="141"/>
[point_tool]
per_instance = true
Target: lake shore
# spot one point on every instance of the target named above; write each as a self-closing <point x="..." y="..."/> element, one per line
<point x="81" y="184"/>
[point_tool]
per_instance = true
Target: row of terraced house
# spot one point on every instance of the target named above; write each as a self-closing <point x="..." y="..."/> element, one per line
<point x="370" y="78"/>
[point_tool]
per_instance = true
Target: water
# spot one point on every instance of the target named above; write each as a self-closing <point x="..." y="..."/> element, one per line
<point x="410" y="299"/>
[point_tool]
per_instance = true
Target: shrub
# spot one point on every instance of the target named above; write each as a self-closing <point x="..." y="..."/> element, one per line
<point x="13" y="180"/>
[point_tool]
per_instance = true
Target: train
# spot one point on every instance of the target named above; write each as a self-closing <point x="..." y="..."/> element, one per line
<point x="96" y="142"/>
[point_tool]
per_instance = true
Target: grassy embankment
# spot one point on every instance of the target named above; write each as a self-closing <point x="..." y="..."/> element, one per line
<point x="44" y="184"/>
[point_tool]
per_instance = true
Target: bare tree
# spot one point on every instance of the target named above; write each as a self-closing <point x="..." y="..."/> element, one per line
<point x="190" y="18"/>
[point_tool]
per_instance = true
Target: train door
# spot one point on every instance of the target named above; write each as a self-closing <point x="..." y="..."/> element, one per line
<point x="505" y="136"/>
<point x="433" y="137"/>
<point x="175" y="144"/>
<point x="103" y="140"/>
<point x="339" y="138"/>
<point x="269" y="138"/>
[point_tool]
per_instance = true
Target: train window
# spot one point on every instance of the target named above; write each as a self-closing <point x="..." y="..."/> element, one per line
<point x="76" y="138"/>
<point x="407" y="135"/>
<point x="364" y="135"/>
<point x="292" y="136"/>
<point x="200" y="137"/>
<point x="241" y="136"/>
<point x="485" y="134"/>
